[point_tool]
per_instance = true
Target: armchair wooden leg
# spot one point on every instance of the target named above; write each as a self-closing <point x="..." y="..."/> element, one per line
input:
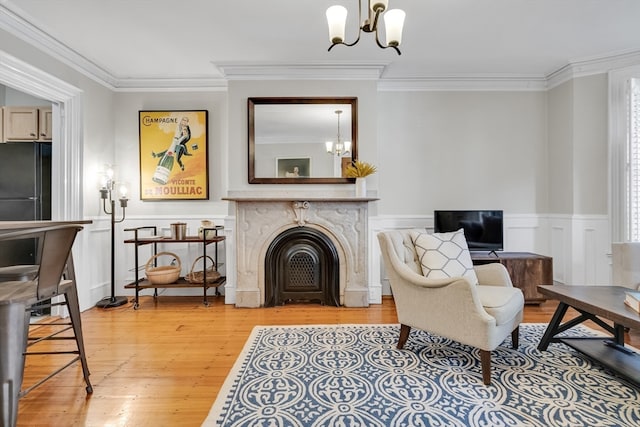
<point x="515" y="337"/>
<point x="485" y="361"/>
<point x="404" y="335"/>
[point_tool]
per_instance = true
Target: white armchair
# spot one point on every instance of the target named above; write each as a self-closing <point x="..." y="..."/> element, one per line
<point x="480" y="315"/>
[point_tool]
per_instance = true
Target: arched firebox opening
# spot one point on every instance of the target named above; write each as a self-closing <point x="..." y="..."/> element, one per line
<point x="302" y="264"/>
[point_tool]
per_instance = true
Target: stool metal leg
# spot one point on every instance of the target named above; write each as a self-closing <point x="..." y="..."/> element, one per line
<point x="73" y="305"/>
<point x="71" y="297"/>
<point x="14" y="328"/>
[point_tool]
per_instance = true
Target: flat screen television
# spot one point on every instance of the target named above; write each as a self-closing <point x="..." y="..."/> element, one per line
<point x="482" y="228"/>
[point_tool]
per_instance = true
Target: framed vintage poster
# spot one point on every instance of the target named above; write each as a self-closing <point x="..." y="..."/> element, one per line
<point x="293" y="167"/>
<point x="174" y="155"/>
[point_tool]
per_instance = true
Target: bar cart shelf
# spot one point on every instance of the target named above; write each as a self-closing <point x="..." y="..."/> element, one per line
<point x="142" y="283"/>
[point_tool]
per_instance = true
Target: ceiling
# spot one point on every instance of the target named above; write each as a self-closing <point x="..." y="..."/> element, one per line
<point x="208" y="40"/>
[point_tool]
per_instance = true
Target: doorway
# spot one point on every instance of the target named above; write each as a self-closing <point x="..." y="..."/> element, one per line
<point x="66" y="159"/>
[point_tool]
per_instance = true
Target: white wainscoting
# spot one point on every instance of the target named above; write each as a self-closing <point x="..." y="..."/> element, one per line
<point x="378" y="281"/>
<point x="579" y="245"/>
<point x="231" y="268"/>
<point x="92" y="256"/>
<point x="97" y="256"/>
<point x="581" y="249"/>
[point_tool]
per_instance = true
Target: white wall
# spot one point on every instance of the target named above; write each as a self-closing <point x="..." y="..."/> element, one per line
<point x="561" y="149"/>
<point x="16" y="98"/>
<point x="462" y="150"/>
<point x="126" y="141"/>
<point x="580" y="229"/>
<point x="590" y="151"/>
<point x="578" y="147"/>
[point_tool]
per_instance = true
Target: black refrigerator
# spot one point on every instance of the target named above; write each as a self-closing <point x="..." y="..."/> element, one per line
<point x="25" y="192"/>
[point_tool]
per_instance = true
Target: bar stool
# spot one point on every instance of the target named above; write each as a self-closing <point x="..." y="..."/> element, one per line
<point x="54" y="276"/>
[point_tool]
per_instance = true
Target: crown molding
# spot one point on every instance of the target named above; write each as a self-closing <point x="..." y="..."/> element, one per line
<point x="302" y="71"/>
<point x="593" y="65"/>
<point x="465" y="83"/>
<point x="171" y="85"/>
<point x="14" y="24"/>
<point x="578" y="68"/>
<point x="33" y="81"/>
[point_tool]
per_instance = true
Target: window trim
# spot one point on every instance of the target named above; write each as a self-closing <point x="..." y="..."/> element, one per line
<point x="619" y="107"/>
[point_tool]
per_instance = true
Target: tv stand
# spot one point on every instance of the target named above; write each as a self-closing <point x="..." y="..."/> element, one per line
<point x="527" y="270"/>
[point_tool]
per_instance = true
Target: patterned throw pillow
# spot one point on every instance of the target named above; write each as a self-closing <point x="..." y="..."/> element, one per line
<point x="444" y="255"/>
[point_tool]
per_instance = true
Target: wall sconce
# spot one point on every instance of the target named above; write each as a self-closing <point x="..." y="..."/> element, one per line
<point x="393" y="22"/>
<point x="338" y="148"/>
<point x="106" y="193"/>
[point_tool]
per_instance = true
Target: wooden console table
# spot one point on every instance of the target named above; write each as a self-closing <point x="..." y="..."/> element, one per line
<point x="527" y="271"/>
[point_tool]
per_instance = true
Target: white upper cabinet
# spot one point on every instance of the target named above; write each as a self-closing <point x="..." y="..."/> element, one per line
<point x="44" y="124"/>
<point x="27" y="124"/>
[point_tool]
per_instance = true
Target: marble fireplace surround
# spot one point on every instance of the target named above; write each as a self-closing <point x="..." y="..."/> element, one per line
<point x="260" y="219"/>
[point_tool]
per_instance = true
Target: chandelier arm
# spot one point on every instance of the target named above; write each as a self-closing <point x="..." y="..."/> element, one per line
<point x="387" y="47"/>
<point x="346" y="44"/>
<point x="362" y="26"/>
<point x="373" y="22"/>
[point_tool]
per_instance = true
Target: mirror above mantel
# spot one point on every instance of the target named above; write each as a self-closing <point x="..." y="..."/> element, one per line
<point x="302" y="140"/>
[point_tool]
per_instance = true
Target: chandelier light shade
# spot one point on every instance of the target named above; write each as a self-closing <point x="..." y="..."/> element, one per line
<point x="337" y="20"/>
<point x="338" y="148"/>
<point x="393" y="23"/>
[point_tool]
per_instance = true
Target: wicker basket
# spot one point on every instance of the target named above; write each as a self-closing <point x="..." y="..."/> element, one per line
<point x="164" y="274"/>
<point x="199" y="276"/>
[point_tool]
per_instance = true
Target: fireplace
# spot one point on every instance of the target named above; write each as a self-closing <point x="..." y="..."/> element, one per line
<point x="301" y="264"/>
<point x="325" y="261"/>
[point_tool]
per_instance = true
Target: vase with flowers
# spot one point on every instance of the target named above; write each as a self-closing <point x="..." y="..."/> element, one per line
<point x="360" y="170"/>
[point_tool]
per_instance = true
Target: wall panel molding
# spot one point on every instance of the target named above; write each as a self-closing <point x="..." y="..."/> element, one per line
<point x="579" y="244"/>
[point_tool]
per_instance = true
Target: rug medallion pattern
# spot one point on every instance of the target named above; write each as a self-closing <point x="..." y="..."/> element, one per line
<point x="353" y="375"/>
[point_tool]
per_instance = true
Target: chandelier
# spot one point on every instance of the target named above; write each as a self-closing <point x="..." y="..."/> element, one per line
<point x="338" y="148"/>
<point x="393" y="22"/>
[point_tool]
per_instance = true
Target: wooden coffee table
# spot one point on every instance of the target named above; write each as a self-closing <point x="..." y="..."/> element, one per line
<point x="595" y="303"/>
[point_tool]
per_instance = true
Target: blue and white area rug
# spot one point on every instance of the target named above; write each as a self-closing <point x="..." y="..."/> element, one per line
<point x="353" y="375"/>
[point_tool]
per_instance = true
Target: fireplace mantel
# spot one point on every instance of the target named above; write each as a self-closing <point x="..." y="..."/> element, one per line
<point x="261" y="218"/>
<point x="299" y="199"/>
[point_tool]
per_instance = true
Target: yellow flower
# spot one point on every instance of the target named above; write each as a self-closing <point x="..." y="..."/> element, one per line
<point x="358" y="169"/>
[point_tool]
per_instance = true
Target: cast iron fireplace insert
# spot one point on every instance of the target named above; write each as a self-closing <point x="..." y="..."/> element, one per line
<point x="302" y="265"/>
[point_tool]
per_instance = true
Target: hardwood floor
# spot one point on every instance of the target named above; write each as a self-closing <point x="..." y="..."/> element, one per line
<point x="162" y="365"/>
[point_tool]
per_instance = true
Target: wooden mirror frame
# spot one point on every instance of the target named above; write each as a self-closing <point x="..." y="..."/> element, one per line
<point x="252" y="102"/>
